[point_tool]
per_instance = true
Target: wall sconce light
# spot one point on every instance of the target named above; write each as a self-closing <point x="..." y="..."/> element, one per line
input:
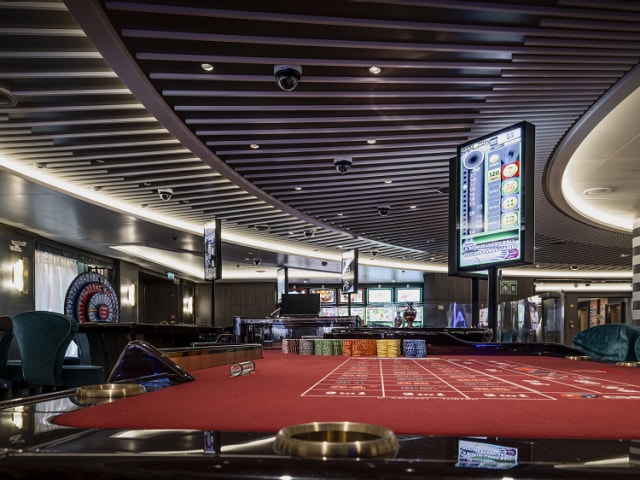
<point x="187" y="305"/>
<point x="131" y="295"/>
<point x="18" y="280"/>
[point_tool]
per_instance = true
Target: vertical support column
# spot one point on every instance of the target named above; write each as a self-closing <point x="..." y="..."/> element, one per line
<point x="475" y="302"/>
<point x="492" y="302"/>
<point x="213" y="303"/>
<point x="635" y="296"/>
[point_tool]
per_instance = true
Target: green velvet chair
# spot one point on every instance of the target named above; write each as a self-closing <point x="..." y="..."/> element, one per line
<point x="611" y="342"/>
<point x="43" y="338"/>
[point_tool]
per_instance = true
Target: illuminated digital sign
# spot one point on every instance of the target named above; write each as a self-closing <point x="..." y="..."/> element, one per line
<point x="212" y="251"/>
<point x="349" y="272"/>
<point x="492" y="200"/>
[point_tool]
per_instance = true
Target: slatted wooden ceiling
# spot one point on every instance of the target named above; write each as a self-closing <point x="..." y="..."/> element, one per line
<point x="450" y="71"/>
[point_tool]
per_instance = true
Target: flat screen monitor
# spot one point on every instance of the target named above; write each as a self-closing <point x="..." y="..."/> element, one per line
<point x="349" y="273"/>
<point x="300" y="304"/>
<point x="282" y="281"/>
<point x="327" y="295"/>
<point x="492" y="201"/>
<point x="404" y="295"/>
<point x="379" y="295"/>
<point x="212" y="251"/>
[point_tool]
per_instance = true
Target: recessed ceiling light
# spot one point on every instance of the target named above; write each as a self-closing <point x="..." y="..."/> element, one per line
<point x="207" y="67"/>
<point x="375" y="70"/>
<point x="413" y="207"/>
<point x="388" y="181"/>
<point x="597" y="191"/>
<point x="254" y="146"/>
<point x="372" y="141"/>
<point x="297" y="189"/>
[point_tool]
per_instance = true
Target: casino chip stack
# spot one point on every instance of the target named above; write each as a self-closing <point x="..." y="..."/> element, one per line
<point x="307" y="346"/>
<point x="364" y="348"/>
<point x="291" y="346"/>
<point x="414" y="348"/>
<point x="336" y="345"/>
<point x="323" y="347"/>
<point x="388" y="348"/>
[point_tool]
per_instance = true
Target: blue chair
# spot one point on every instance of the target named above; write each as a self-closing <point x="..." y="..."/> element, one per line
<point x="43" y="338"/>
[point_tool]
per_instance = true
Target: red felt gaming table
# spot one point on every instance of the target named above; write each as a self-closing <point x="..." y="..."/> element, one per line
<point x="449" y="395"/>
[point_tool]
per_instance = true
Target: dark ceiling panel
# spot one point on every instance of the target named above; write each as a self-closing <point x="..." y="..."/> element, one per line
<point x="450" y="71"/>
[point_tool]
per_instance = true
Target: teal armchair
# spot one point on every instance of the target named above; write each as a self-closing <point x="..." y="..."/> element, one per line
<point x="611" y="342"/>
<point x="43" y="338"/>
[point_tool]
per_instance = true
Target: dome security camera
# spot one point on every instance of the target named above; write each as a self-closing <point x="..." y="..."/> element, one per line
<point x="309" y="233"/>
<point x="342" y="165"/>
<point x="165" y="194"/>
<point x="375" y="252"/>
<point x="384" y="210"/>
<point x="257" y="262"/>
<point x="287" y="76"/>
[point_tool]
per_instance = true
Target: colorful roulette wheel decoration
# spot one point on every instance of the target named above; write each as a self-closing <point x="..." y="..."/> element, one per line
<point x="91" y="298"/>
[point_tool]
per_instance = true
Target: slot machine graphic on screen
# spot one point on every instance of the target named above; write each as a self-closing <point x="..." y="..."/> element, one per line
<point x="492" y="200"/>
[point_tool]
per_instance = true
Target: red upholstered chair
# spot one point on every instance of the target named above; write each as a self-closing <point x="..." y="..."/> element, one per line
<point x="43" y="338"/>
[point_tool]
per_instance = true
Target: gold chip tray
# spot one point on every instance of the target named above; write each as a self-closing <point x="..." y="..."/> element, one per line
<point x="107" y="392"/>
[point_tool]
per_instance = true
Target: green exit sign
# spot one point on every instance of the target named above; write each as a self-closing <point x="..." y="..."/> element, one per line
<point x="508" y="287"/>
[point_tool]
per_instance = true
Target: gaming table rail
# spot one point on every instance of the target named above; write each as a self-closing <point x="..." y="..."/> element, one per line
<point x="244" y="467"/>
<point x="445" y="343"/>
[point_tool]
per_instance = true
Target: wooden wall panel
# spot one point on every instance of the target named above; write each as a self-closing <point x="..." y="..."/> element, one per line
<point x="251" y="300"/>
<point x="158" y="301"/>
<point x="203" y="304"/>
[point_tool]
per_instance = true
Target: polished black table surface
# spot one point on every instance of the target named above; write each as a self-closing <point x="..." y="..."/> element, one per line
<point x="32" y="447"/>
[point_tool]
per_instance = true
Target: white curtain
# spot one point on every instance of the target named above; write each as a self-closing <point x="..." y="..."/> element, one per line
<point x="53" y="275"/>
